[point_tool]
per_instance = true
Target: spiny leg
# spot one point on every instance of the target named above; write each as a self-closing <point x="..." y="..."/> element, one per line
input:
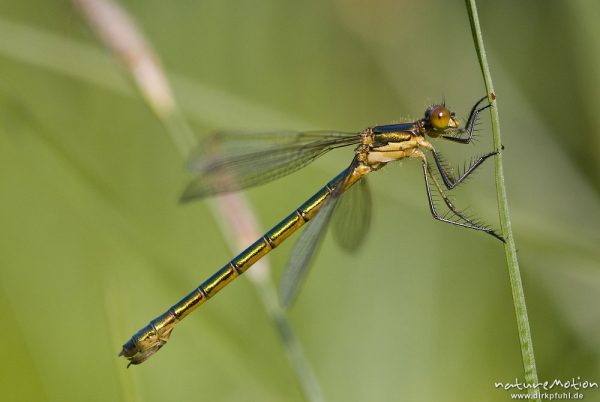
<point x="449" y="203"/>
<point x="468" y="223"/>
<point x="470" y="126"/>
<point x="449" y="182"/>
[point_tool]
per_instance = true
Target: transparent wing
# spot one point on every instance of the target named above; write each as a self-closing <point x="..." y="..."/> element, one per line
<point x="352" y="217"/>
<point x="231" y="144"/>
<point x="233" y="161"/>
<point x="305" y="248"/>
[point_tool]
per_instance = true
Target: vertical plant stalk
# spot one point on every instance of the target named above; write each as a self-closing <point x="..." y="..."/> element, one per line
<point x="509" y="246"/>
<point x="119" y="33"/>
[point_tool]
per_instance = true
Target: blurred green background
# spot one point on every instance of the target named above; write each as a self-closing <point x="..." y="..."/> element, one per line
<point x="94" y="243"/>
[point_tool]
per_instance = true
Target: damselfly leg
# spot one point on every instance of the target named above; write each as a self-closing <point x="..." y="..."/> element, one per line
<point x="467" y="222"/>
<point x="447" y="178"/>
<point x="456" y="136"/>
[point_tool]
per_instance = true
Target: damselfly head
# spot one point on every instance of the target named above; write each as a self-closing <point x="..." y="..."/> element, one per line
<point x="438" y="119"/>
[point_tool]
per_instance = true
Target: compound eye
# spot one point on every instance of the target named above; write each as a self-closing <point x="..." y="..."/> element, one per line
<point x="439" y="117"/>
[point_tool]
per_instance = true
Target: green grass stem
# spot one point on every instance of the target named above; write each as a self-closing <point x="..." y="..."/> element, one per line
<point x="505" y="223"/>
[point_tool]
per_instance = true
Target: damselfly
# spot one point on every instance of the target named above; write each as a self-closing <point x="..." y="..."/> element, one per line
<point x="248" y="160"/>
